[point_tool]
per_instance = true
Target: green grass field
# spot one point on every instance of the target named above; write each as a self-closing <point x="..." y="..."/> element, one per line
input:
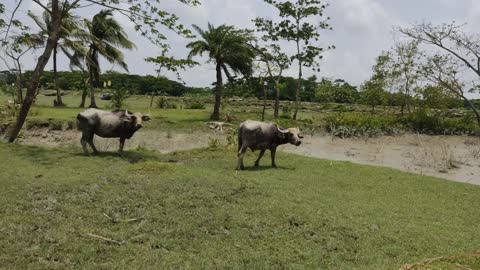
<point x="192" y="210"/>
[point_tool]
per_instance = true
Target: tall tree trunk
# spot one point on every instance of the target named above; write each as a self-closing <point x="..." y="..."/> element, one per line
<point x="93" y="104"/>
<point x="297" y="92"/>
<point x="58" y="102"/>
<point x="84" y="89"/>
<point x="277" y="101"/>
<point x="84" y="96"/>
<point x="94" y="71"/>
<point x="12" y="133"/>
<point x="218" y="93"/>
<point x="299" y="82"/>
<point x="19" y="86"/>
<point x="264" y="101"/>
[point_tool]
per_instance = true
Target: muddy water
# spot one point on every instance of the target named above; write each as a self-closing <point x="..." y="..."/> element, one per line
<point x="451" y="157"/>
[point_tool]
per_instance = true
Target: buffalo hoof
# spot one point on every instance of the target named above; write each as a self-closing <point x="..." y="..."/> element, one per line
<point x="95" y="153"/>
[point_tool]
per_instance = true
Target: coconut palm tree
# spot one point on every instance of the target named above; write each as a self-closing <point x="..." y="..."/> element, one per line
<point x="228" y="48"/>
<point x="70" y="41"/>
<point x="106" y="34"/>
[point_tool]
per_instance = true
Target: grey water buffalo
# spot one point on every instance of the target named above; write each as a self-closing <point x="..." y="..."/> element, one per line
<point x="108" y="124"/>
<point x="262" y="136"/>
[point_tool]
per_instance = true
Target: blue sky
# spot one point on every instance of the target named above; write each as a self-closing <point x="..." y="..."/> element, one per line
<point x="362" y="29"/>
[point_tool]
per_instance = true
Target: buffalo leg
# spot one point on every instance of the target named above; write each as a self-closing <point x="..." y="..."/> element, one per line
<point x="90" y="142"/>
<point x="83" y="141"/>
<point x="122" y="143"/>
<point x="272" y="153"/>
<point x="259" y="157"/>
<point x="241" y="153"/>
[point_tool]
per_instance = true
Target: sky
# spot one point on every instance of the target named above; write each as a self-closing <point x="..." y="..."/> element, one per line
<point x="361" y="30"/>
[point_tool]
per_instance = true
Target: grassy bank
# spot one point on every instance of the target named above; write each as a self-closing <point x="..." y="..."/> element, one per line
<point x="191" y="210"/>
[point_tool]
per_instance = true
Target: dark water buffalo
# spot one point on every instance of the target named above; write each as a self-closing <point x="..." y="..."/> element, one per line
<point x="115" y="124"/>
<point x="262" y="136"/>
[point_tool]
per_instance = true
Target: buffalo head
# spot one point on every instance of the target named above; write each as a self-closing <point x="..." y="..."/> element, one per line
<point x="293" y="135"/>
<point x="136" y="119"/>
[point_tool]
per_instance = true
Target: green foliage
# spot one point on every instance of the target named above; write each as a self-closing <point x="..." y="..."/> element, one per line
<point x="295" y="26"/>
<point x="286" y="111"/>
<point x="338" y="91"/>
<point x="8" y="89"/>
<point x="136" y="84"/>
<point x="427" y="122"/>
<point x="119" y="95"/>
<point x="163" y="103"/>
<point x="226" y="46"/>
<point x="373" y="94"/>
<point x="435" y="97"/>
<point x="170" y="63"/>
<point x="229" y="49"/>
<point x="358" y="125"/>
<point x="195" y="105"/>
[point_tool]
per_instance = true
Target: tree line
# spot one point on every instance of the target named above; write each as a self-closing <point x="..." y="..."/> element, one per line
<point x="252" y="57"/>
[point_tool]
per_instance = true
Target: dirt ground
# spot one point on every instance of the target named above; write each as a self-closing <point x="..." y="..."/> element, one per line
<point x="451" y="157"/>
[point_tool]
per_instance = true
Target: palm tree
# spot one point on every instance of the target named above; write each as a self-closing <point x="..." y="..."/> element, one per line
<point x="229" y="49"/>
<point x="70" y="41"/>
<point x="106" y="34"/>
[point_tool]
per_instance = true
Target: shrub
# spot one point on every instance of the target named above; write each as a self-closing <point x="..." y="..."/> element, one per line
<point x="286" y="112"/>
<point x="163" y="103"/>
<point x="433" y="123"/>
<point x="356" y="125"/>
<point x="118" y="97"/>
<point x="195" y="105"/>
<point x="426" y="122"/>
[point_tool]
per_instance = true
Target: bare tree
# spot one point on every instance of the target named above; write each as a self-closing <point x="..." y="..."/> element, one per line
<point x="446" y="71"/>
<point x="276" y="62"/>
<point x="461" y="54"/>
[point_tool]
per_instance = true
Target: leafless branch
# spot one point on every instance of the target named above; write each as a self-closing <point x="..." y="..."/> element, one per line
<point x="11" y="19"/>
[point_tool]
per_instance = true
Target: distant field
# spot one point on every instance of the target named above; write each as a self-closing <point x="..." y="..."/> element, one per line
<point x="192" y="210"/>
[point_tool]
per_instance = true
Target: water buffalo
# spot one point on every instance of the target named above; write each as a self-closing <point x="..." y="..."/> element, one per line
<point x="262" y="136"/>
<point x="115" y="124"/>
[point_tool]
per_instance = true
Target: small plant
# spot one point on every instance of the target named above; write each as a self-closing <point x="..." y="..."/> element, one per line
<point x="195" y="105"/>
<point x="286" y="112"/>
<point x="8" y="90"/>
<point x="163" y="103"/>
<point x="213" y="143"/>
<point x="232" y="137"/>
<point x="118" y="98"/>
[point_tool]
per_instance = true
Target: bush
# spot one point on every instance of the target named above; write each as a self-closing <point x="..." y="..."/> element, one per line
<point x="433" y="123"/>
<point x="356" y="125"/>
<point x="195" y="105"/>
<point x="118" y="97"/>
<point x="286" y="112"/>
<point x="163" y="103"/>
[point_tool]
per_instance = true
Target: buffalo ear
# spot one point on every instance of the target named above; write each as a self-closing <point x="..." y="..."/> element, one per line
<point x="146" y="118"/>
<point x="128" y="119"/>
